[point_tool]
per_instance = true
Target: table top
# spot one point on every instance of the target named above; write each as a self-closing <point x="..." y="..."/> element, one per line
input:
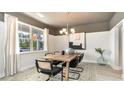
<point x="65" y="58"/>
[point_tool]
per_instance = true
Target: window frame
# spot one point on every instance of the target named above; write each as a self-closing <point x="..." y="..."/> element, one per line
<point x="30" y="38"/>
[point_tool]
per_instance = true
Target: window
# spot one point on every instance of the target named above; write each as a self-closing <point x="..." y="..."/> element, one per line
<point x="37" y="37"/>
<point x="31" y="38"/>
<point x="24" y="38"/>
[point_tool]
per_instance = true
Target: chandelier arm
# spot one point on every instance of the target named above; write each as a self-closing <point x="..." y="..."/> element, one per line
<point x="66" y="30"/>
<point x="68" y="22"/>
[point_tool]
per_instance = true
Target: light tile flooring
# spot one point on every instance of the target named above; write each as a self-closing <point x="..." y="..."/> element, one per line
<point x="91" y="72"/>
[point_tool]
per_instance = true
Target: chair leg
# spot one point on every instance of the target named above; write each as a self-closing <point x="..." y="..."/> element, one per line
<point x="48" y="78"/>
<point x="51" y="78"/>
<point x="81" y="69"/>
<point x="62" y="75"/>
<point x="74" y="78"/>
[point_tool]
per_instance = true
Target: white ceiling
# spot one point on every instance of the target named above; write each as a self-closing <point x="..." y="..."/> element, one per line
<point x="59" y="19"/>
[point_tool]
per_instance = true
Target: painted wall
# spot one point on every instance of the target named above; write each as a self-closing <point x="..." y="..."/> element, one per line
<point x="24" y="18"/>
<point x="118" y="16"/>
<point x="1" y="16"/>
<point x="51" y="43"/>
<point x="29" y="20"/>
<point x="93" y="40"/>
<point x="27" y="60"/>
<point x="97" y="40"/>
<point x="94" y="27"/>
<point x="61" y="42"/>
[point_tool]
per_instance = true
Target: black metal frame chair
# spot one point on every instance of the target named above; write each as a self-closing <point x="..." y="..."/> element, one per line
<point x="48" y="54"/>
<point x="55" y="63"/>
<point x="73" y="64"/>
<point x="79" y="59"/>
<point x="57" y="52"/>
<point x="49" y="69"/>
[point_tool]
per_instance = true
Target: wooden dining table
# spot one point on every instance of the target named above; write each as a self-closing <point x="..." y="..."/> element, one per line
<point x="64" y="58"/>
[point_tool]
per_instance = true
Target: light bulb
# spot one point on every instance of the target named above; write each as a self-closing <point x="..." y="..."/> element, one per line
<point x="61" y="32"/>
<point x="66" y="33"/>
<point x="64" y="29"/>
<point x="72" y="30"/>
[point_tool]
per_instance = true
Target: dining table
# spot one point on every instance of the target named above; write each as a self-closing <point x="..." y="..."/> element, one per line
<point x="67" y="58"/>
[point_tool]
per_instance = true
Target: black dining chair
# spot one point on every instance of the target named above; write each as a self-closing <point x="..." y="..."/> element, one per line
<point x="57" y="53"/>
<point x="46" y="67"/>
<point x="80" y="58"/>
<point x="79" y="66"/>
<point x="73" y="64"/>
<point x="55" y="63"/>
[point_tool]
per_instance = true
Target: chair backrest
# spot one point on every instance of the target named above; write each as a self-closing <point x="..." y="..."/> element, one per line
<point x="43" y="65"/>
<point x="81" y="57"/>
<point x="48" y="54"/>
<point x="74" y="63"/>
<point x="57" y="53"/>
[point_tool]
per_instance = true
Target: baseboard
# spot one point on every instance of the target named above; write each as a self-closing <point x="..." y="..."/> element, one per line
<point x="2" y="75"/>
<point x="116" y="67"/>
<point x="25" y="68"/>
<point x="89" y="61"/>
<point x="122" y="76"/>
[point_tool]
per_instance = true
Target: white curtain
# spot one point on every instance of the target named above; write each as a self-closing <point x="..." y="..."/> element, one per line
<point x="46" y="33"/>
<point x="10" y="45"/>
<point x="2" y="65"/>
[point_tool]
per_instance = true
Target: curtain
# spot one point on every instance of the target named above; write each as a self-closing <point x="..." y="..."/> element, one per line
<point x="46" y="33"/>
<point x="2" y="65"/>
<point x="10" y="45"/>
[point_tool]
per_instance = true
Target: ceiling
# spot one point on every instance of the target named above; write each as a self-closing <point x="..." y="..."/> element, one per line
<point x="59" y="19"/>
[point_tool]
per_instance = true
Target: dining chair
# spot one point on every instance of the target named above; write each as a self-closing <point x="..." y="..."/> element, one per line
<point x="46" y="67"/>
<point x="55" y="63"/>
<point x="57" y="53"/>
<point x="79" y="66"/>
<point x="73" y="64"/>
<point x="80" y="58"/>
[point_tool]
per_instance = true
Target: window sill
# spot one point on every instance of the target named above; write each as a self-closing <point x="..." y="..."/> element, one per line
<point x="33" y="52"/>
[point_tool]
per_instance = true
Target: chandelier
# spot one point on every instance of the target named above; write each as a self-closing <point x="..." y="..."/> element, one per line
<point x="67" y="30"/>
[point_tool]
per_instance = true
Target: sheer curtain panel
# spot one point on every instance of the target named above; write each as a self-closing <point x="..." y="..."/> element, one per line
<point x="10" y="45"/>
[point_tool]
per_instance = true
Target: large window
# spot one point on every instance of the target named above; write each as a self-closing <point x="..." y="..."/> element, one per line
<point x="31" y="38"/>
<point x="24" y="38"/>
<point x="37" y="37"/>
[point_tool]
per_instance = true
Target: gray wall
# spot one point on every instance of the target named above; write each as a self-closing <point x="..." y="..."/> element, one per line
<point x="102" y="26"/>
<point x="29" y="20"/>
<point x="94" y="27"/>
<point x="1" y="16"/>
<point x="118" y="16"/>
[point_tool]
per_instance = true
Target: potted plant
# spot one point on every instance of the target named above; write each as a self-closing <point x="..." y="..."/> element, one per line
<point x="101" y="59"/>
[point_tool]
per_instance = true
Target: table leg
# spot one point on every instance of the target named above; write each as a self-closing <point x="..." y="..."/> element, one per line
<point x="67" y="71"/>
